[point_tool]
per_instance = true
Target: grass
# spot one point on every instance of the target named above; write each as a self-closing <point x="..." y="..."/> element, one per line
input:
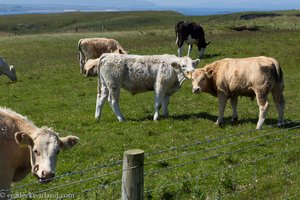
<point x="50" y="91"/>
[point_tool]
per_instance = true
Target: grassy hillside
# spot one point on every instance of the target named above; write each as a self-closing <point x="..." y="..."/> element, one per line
<point x="188" y="157"/>
<point x="110" y="21"/>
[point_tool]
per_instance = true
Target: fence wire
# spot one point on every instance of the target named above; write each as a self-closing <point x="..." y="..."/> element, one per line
<point x="182" y="163"/>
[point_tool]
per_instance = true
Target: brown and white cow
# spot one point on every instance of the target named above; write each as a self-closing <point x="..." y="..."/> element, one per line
<point x="24" y="147"/>
<point x="7" y="70"/>
<point x="162" y="73"/>
<point x="252" y="77"/>
<point x="92" y="48"/>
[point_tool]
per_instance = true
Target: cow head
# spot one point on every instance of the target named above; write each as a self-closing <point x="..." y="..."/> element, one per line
<point x="188" y="65"/>
<point x="44" y="147"/>
<point x="202" y="49"/>
<point x="91" y="67"/>
<point x="9" y="71"/>
<point x="120" y="51"/>
<point x="200" y="80"/>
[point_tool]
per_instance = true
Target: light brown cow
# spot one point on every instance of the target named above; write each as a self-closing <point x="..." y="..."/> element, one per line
<point x="90" y="67"/>
<point x="92" y="48"/>
<point x="25" y="147"/>
<point x="253" y="77"/>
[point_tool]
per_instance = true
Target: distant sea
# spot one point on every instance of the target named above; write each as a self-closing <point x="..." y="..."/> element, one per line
<point x="184" y="11"/>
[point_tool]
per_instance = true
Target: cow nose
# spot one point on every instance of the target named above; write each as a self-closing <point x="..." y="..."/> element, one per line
<point x="36" y="168"/>
<point x="47" y="174"/>
<point x="196" y="90"/>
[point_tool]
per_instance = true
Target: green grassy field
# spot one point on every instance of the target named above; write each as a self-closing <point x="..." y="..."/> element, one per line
<point x="187" y="156"/>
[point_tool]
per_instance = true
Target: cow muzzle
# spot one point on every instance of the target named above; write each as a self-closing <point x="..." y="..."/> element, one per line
<point x="44" y="176"/>
<point x="196" y="90"/>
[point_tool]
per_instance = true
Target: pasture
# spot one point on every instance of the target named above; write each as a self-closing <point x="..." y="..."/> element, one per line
<point x="187" y="156"/>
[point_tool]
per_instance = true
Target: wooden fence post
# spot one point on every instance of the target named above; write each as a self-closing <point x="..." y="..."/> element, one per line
<point x="133" y="175"/>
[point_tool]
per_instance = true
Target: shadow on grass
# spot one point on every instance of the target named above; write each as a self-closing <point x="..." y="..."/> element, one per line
<point x="272" y="122"/>
<point x="211" y="55"/>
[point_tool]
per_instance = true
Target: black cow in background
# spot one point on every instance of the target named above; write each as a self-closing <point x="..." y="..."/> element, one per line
<point x="191" y="33"/>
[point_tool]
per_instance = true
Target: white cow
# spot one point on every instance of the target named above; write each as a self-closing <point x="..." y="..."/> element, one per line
<point x="162" y="73"/>
<point x="92" y="48"/>
<point x="7" y="70"/>
<point x="24" y="147"/>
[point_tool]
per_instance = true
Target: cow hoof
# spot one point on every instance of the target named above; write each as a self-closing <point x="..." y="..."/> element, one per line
<point x="218" y="123"/>
<point x="234" y="121"/>
<point x="122" y="120"/>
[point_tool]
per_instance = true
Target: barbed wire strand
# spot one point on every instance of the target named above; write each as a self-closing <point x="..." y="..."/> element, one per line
<point x="211" y="140"/>
<point x="224" y="169"/>
<point x="118" y="162"/>
<point x="103" y="186"/>
<point x="221" y="146"/>
<point x="100" y="166"/>
<point x="80" y="181"/>
<point x="216" y="156"/>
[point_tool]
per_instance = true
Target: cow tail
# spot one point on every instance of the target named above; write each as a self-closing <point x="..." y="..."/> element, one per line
<point x="279" y="72"/>
<point x="79" y="49"/>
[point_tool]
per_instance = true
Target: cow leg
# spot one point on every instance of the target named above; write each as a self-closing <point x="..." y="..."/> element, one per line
<point x="279" y="102"/>
<point x="165" y="104"/>
<point x="180" y="47"/>
<point x="101" y="98"/>
<point x="190" y="49"/>
<point x="180" y="51"/>
<point x="159" y="95"/>
<point x="263" y="109"/>
<point x="233" y="102"/>
<point x="222" y="104"/>
<point x="113" y="100"/>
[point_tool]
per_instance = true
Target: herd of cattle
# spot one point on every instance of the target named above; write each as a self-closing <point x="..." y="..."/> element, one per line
<point x="163" y="74"/>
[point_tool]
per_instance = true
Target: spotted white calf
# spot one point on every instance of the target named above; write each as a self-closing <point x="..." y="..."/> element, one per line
<point x="162" y="73"/>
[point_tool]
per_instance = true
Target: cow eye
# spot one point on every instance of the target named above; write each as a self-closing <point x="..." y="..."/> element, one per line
<point x="36" y="152"/>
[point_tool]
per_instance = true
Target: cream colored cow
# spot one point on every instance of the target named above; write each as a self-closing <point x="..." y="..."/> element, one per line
<point x="24" y="147"/>
<point x="253" y="77"/>
<point x="92" y="48"/>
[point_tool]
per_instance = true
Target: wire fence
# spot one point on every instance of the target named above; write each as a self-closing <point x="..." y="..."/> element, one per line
<point x="242" y="165"/>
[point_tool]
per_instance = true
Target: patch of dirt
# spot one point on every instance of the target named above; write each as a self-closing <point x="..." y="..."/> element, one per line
<point x="245" y="28"/>
<point x="258" y="15"/>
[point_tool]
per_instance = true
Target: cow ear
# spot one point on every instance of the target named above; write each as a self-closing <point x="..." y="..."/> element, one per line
<point x="68" y="142"/>
<point x="196" y="62"/>
<point x="175" y="65"/>
<point x="209" y="73"/>
<point x="23" y="139"/>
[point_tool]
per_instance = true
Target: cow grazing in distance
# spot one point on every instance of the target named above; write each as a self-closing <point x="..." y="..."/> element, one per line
<point x="252" y="77"/>
<point x="24" y="147"/>
<point x="162" y="73"/>
<point x="90" y="67"/>
<point x="92" y="48"/>
<point x="191" y="33"/>
<point x="7" y="70"/>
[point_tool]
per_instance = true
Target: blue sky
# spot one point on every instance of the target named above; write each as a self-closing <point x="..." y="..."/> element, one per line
<point x="293" y="4"/>
<point x="245" y="4"/>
